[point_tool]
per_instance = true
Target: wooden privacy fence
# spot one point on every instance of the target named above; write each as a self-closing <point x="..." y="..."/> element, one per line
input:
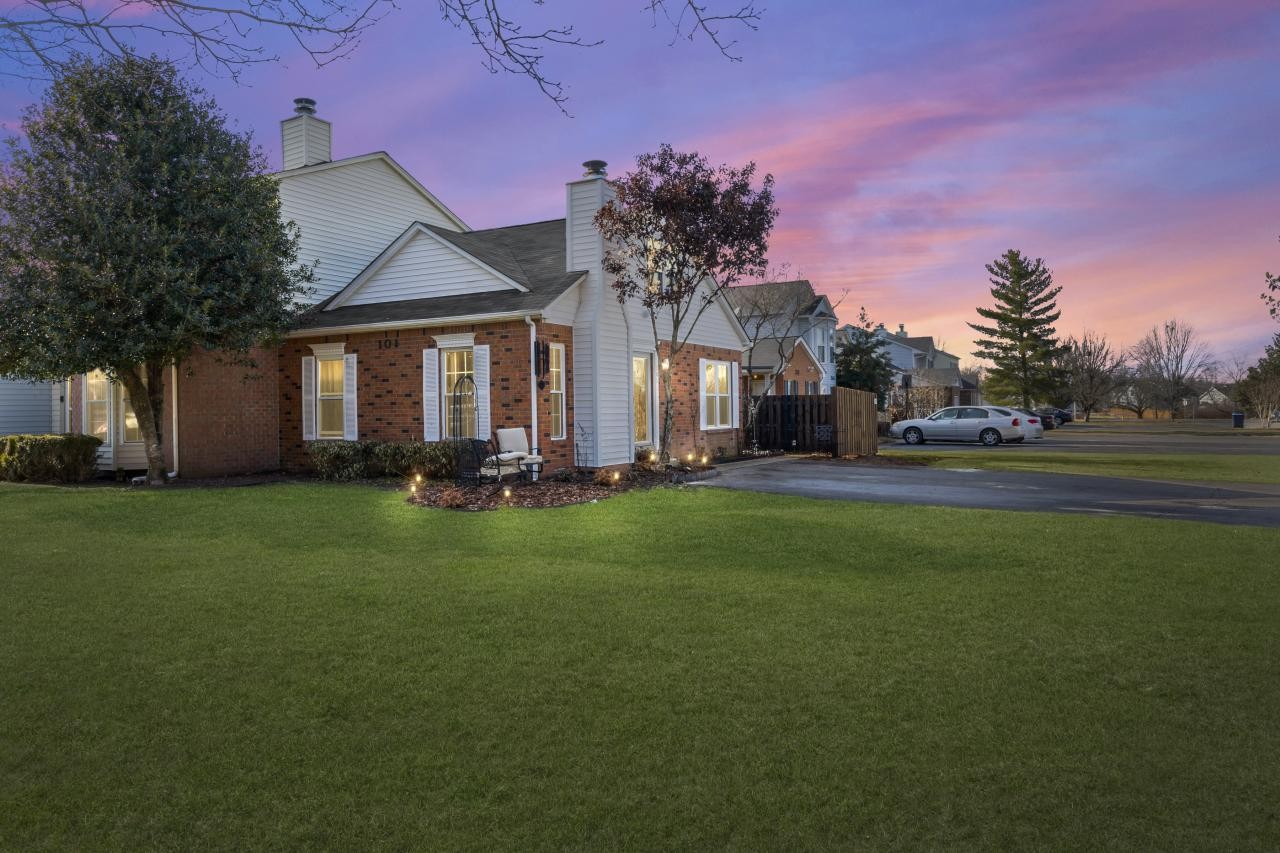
<point x="842" y="423"/>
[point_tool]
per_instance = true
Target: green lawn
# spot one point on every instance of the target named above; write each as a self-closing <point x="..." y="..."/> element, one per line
<point x="325" y="667"/>
<point x="1205" y="467"/>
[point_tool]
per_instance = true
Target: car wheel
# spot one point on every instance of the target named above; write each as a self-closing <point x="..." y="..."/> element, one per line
<point x="1057" y="421"/>
<point x="989" y="437"/>
<point x="913" y="436"/>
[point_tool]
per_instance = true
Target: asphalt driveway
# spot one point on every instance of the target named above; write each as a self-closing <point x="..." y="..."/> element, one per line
<point x="1014" y="490"/>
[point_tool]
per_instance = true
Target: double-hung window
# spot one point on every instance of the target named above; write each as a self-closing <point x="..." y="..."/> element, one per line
<point x="97" y="407"/>
<point x="717" y="395"/>
<point x="459" y="395"/>
<point x="329" y="401"/>
<point x="555" y="387"/>
<point x="642" y="397"/>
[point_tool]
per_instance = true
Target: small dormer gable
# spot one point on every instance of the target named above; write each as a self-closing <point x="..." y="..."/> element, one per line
<point x="423" y="264"/>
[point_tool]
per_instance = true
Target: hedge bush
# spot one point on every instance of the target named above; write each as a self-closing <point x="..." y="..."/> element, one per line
<point x="362" y="460"/>
<point x="66" y="458"/>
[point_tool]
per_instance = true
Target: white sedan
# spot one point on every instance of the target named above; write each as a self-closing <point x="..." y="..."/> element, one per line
<point x="988" y="424"/>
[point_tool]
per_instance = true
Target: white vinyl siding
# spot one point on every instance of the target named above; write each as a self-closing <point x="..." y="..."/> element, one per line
<point x="347" y="214"/>
<point x="306" y="140"/>
<point x="424" y="268"/>
<point x="555" y="388"/>
<point x="25" y="408"/>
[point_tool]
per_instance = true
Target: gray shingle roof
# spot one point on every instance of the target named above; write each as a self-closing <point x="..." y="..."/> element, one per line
<point x="532" y="254"/>
<point x="785" y="295"/>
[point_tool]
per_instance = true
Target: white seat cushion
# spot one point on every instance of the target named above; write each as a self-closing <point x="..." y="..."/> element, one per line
<point x="531" y="460"/>
<point x="512" y="440"/>
<point x="512" y="455"/>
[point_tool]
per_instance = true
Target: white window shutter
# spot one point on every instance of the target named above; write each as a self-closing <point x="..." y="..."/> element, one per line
<point x="734" y="402"/>
<point x="484" y="427"/>
<point x="702" y="393"/>
<point x="350" y="427"/>
<point x="430" y="396"/>
<point x="308" y="398"/>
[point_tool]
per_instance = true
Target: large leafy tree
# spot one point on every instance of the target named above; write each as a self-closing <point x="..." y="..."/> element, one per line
<point x="862" y="360"/>
<point x="1020" y="340"/>
<point x="680" y="231"/>
<point x="1092" y="371"/>
<point x="136" y="229"/>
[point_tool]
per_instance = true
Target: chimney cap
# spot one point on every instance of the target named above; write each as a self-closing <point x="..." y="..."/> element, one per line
<point x="595" y="169"/>
<point x="304" y="106"/>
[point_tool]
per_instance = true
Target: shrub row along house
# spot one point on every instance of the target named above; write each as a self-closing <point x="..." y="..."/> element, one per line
<point x="421" y="328"/>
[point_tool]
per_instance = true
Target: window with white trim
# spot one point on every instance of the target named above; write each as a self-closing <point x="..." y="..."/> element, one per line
<point x="330" y="406"/>
<point x="97" y="405"/>
<point x="129" y="429"/>
<point x="717" y="395"/>
<point x="791" y="387"/>
<point x="555" y="387"/>
<point x="642" y="397"/>
<point x="459" y="363"/>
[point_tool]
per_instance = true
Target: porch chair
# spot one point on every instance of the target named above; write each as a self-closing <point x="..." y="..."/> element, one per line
<point x="475" y="462"/>
<point x="513" y="452"/>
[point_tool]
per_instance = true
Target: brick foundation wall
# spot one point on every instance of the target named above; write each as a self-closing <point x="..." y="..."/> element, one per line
<point x="389" y="389"/>
<point x="686" y="434"/>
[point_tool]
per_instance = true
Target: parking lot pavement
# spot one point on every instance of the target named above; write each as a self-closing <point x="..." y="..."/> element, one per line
<point x="1089" y="439"/>
<point x="1012" y="490"/>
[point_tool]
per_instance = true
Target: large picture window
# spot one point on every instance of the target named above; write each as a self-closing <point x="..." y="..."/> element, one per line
<point x="459" y="363"/>
<point x="555" y="383"/>
<point x="329" y="400"/>
<point x="717" y="396"/>
<point x="97" y="405"/>
<point x="642" y="395"/>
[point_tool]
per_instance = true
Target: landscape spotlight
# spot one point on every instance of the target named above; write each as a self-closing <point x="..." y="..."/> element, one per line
<point x="506" y="491"/>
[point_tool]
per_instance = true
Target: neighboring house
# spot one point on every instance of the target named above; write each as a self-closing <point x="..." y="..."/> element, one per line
<point x="423" y="329"/>
<point x="788" y="366"/>
<point x="30" y="407"/>
<point x="794" y="329"/>
<point x="928" y="366"/>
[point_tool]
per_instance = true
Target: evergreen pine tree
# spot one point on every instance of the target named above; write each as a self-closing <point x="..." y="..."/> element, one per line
<point x="1021" y="343"/>
<point x="862" y="362"/>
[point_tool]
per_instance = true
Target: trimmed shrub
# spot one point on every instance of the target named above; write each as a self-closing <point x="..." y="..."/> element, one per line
<point x="69" y="458"/>
<point x="434" y="461"/>
<point x="362" y="460"/>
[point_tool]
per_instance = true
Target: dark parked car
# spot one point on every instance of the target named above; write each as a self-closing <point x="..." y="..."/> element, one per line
<point x="1058" y="416"/>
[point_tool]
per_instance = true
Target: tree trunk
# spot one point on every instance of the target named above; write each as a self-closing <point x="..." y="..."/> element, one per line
<point x="668" y="398"/>
<point x="147" y="398"/>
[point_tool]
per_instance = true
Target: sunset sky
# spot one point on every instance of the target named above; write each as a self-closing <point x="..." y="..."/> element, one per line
<point x="1135" y="146"/>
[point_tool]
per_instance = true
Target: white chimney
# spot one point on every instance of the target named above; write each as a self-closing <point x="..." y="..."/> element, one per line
<point x="305" y="139"/>
<point x="584" y="245"/>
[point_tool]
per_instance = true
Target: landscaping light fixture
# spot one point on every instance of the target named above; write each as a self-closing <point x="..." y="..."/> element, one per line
<point x="704" y="459"/>
<point x="417" y="478"/>
<point x="666" y="364"/>
<point x="616" y="476"/>
<point x="689" y="457"/>
<point x="506" y="491"/>
<point x="653" y="457"/>
<point x="413" y="488"/>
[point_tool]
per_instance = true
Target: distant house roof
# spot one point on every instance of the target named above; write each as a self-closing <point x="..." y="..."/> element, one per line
<point x="532" y="255"/>
<point x="946" y="377"/>
<point x="764" y="356"/>
<point x="788" y="297"/>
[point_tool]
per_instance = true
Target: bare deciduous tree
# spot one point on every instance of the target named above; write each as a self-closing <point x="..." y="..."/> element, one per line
<point x="1092" y="369"/>
<point x="40" y="37"/>
<point x="1136" y="391"/>
<point x="1171" y="355"/>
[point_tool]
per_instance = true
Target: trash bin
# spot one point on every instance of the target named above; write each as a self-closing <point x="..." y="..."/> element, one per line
<point x="1237" y="420"/>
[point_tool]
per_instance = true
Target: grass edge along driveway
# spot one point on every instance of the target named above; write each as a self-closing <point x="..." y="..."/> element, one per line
<point x="1190" y="467"/>
<point x="325" y="667"/>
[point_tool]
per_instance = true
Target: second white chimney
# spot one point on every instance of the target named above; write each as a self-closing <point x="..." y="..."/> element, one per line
<point x="305" y="139"/>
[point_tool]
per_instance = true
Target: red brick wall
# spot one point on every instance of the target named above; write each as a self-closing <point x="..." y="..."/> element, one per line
<point x="389" y="389"/>
<point x="228" y="415"/>
<point x="686" y="434"/>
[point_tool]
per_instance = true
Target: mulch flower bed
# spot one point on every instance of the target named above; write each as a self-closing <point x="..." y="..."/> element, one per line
<point x="563" y="488"/>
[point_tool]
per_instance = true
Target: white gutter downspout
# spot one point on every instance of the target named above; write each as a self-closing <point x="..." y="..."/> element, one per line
<point x="173" y="431"/>
<point x="533" y="379"/>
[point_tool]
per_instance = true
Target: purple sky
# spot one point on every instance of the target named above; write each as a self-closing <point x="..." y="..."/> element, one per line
<point x="1133" y="144"/>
